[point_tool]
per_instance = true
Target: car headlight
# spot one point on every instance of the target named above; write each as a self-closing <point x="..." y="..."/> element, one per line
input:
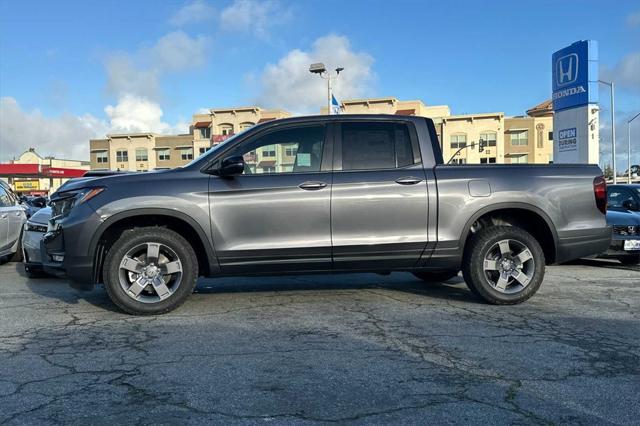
<point x="36" y="227"/>
<point x="63" y="202"/>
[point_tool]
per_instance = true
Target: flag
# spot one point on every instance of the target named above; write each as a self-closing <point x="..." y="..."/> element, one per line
<point x="335" y="106"/>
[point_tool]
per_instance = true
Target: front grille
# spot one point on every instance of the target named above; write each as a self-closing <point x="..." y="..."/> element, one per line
<point x="626" y="229"/>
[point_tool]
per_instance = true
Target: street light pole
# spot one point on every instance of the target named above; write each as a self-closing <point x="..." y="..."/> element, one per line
<point x="322" y="71"/>
<point x="629" y="145"/>
<point x="613" y="127"/>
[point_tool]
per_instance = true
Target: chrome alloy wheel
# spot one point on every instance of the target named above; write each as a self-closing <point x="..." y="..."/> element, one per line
<point x="150" y="272"/>
<point x="509" y="266"/>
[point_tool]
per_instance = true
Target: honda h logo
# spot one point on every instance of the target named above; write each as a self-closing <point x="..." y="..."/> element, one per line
<point x="567" y="69"/>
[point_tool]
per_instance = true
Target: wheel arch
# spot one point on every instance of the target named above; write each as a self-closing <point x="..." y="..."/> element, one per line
<point x="527" y="216"/>
<point x="113" y="226"/>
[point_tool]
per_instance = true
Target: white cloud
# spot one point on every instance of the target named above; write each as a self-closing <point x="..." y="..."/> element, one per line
<point x="135" y="114"/>
<point x="192" y="13"/>
<point x="139" y="73"/>
<point x="633" y="20"/>
<point x="288" y="83"/>
<point x="177" y="51"/>
<point x="257" y="17"/>
<point x="67" y="136"/>
<point x="626" y="73"/>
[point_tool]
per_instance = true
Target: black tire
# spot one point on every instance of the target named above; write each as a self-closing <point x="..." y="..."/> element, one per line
<point x="138" y="237"/>
<point x="629" y="260"/>
<point x="482" y="245"/>
<point x="435" y="276"/>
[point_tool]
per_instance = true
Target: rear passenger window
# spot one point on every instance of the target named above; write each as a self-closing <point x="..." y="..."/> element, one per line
<point x="367" y="146"/>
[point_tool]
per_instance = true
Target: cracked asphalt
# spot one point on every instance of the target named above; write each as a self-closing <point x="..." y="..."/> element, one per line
<point x="355" y="349"/>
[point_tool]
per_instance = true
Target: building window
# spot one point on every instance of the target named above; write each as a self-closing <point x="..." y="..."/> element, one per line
<point x="186" y="154"/>
<point x="488" y="160"/>
<point x="290" y="150"/>
<point x="202" y="150"/>
<point x="142" y="154"/>
<point x="489" y="137"/>
<point x="226" y="129"/>
<point x="459" y="161"/>
<point x="269" y="151"/>
<point x="102" y="157"/>
<point x="550" y="136"/>
<point x="122" y="155"/>
<point x="520" y="138"/>
<point x="246" y="125"/>
<point x="205" y="132"/>
<point x="458" y="141"/>
<point x="164" y="154"/>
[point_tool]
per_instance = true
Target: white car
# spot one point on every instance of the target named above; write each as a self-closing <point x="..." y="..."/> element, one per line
<point x="12" y="217"/>
<point x="34" y="230"/>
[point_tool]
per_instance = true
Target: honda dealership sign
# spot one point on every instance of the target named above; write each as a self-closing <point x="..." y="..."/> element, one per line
<point x="575" y="103"/>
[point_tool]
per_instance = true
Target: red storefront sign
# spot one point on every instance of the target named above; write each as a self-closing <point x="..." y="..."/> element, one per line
<point x="37" y="170"/>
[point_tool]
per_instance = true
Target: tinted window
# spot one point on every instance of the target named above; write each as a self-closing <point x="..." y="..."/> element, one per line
<point x="618" y="196"/>
<point x="5" y="199"/>
<point x="296" y="150"/>
<point x="376" y="146"/>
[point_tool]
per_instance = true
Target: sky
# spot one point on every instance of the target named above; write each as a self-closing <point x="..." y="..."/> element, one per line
<point x="74" y="70"/>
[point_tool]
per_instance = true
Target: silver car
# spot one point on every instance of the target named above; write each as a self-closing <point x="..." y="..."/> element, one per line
<point x="34" y="230"/>
<point x="12" y="217"/>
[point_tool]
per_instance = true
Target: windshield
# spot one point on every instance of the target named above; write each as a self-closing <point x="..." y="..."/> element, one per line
<point x="214" y="149"/>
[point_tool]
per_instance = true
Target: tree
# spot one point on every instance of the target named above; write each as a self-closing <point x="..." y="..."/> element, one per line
<point x="608" y="172"/>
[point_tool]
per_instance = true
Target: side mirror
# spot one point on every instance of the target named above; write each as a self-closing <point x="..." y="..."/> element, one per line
<point x="231" y="166"/>
<point x="630" y="205"/>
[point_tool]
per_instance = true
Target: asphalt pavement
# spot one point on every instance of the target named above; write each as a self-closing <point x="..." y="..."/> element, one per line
<point x="357" y="349"/>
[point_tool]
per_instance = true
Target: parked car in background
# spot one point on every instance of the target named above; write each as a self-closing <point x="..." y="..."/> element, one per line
<point x="12" y="217"/>
<point x="34" y="230"/>
<point x="33" y="204"/>
<point x="349" y="193"/>
<point x="623" y="214"/>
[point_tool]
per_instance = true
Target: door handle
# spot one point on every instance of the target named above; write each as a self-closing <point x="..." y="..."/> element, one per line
<point x="410" y="180"/>
<point x="18" y="213"/>
<point x="4" y="216"/>
<point x="312" y="186"/>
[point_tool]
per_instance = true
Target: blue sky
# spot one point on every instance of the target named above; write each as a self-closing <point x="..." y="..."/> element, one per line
<point x="83" y="68"/>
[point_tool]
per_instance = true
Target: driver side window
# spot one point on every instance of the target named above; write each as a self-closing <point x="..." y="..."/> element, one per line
<point x="296" y="150"/>
<point x="617" y="197"/>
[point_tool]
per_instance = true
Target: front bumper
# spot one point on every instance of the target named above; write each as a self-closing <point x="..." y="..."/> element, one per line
<point x="31" y="248"/>
<point x="66" y="249"/>
<point x="616" y="249"/>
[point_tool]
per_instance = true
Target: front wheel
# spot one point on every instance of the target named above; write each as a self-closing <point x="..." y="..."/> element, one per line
<point x="150" y="271"/>
<point x="504" y="265"/>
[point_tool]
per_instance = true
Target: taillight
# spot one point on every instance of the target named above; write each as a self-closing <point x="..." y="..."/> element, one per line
<point x="600" y="191"/>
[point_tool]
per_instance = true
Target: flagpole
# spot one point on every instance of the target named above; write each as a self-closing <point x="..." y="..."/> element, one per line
<point x="329" y="93"/>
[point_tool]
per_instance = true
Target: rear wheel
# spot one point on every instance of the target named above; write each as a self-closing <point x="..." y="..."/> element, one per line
<point x="150" y="271"/>
<point x="435" y="276"/>
<point x="503" y="265"/>
<point x="629" y="260"/>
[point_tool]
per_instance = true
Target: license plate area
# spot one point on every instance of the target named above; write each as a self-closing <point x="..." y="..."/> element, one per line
<point x="632" y="245"/>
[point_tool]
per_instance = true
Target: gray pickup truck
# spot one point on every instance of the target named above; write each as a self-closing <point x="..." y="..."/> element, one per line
<point x="325" y="194"/>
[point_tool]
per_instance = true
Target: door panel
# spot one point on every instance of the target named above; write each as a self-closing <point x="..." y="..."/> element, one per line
<point x="379" y="206"/>
<point x="275" y="216"/>
<point x="4" y="227"/>
<point x="268" y="223"/>
<point x="17" y="217"/>
<point x="378" y="223"/>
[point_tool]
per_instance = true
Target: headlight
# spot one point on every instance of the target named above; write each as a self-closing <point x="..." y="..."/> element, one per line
<point x="36" y="227"/>
<point x="62" y="204"/>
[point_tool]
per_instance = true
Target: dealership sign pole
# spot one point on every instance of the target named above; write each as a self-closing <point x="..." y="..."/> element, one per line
<point x="575" y="103"/>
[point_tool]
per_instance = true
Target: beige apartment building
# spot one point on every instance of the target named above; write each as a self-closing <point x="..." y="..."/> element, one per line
<point x="521" y="139"/>
<point x="150" y="151"/>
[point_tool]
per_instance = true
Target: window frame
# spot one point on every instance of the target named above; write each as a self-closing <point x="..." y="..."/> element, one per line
<point x="122" y="159"/>
<point x="161" y="151"/>
<point x="146" y="154"/>
<point x="519" y="132"/>
<point x="327" y="149"/>
<point x="102" y="157"/>
<point x="413" y="137"/>
<point x="489" y="132"/>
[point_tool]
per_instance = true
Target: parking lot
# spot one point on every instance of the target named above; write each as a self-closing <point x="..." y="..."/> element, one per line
<point x="347" y="348"/>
